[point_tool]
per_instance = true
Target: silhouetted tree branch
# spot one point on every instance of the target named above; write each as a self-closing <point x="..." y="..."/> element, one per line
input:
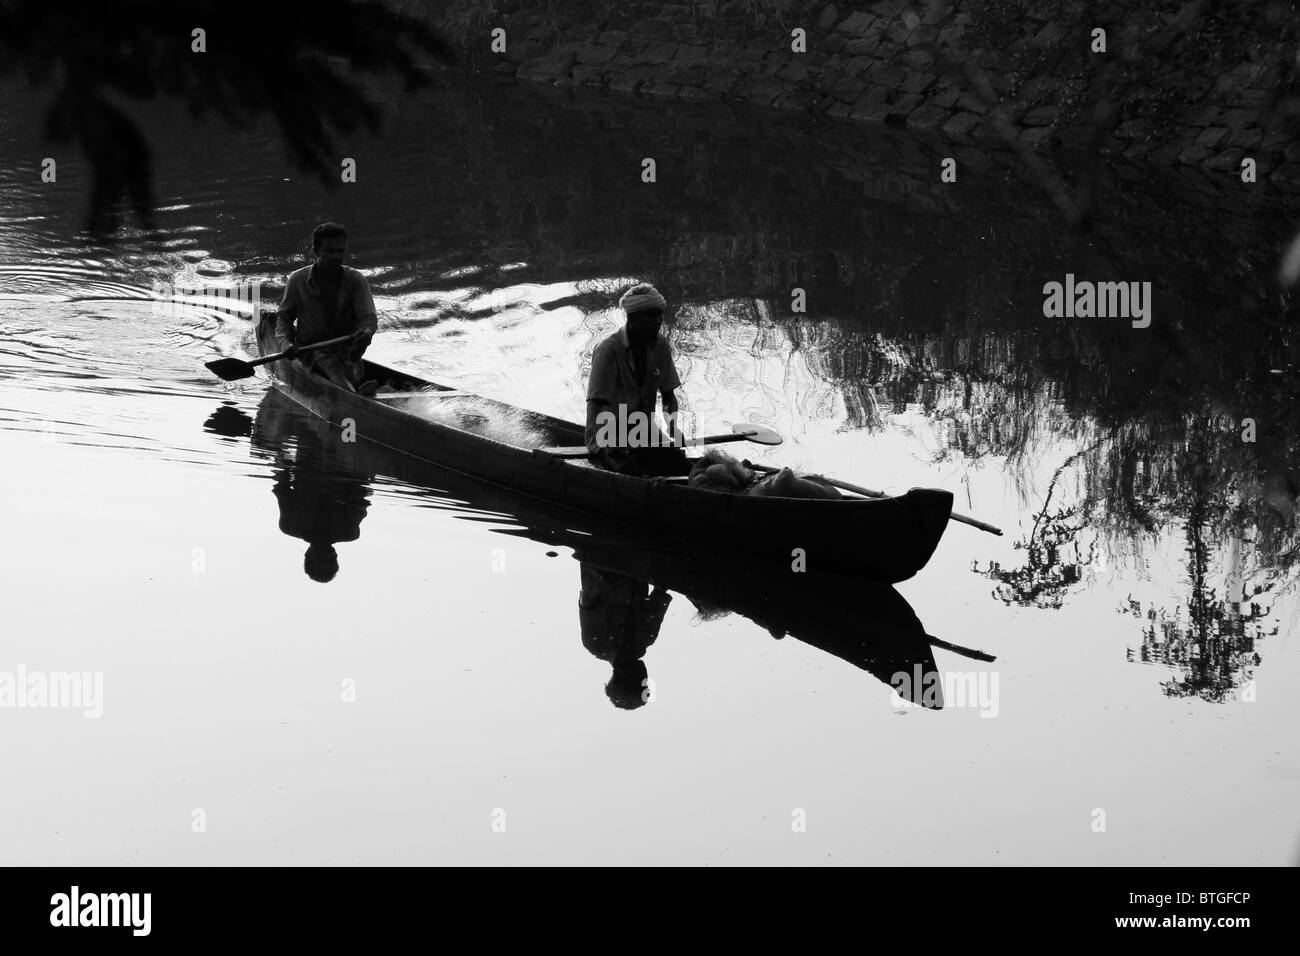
<point x="260" y="59"/>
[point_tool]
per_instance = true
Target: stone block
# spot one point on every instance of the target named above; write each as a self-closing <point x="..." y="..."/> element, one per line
<point x="761" y="89"/>
<point x="1286" y="175"/>
<point x="1040" y="116"/>
<point x="658" y="53"/>
<point x="628" y="82"/>
<point x="862" y="46"/>
<point x="774" y="63"/>
<point x="1228" y="159"/>
<point x="1077" y="137"/>
<point x="848" y="89"/>
<point x="795" y="70"/>
<point x="1038" y="90"/>
<point x="950" y="36"/>
<point x="657" y="29"/>
<point x="961" y="125"/>
<point x="872" y="96"/>
<point x="946" y="98"/>
<point x="856" y="24"/>
<point x="795" y="100"/>
<point x="1162" y="154"/>
<point x="596" y="53"/>
<point x="1011" y="110"/>
<point x="888" y="76"/>
<point x="936" y="14"/>
<point x="825" y="103"/>
<point x="928" y="117"/>
<point x="548" y="68"/>
<point x="686" y="74"/>
<point x="1246" y="138"/>
<point x="1134" y="129"/>
<point x="917" y="82"/>
<point x="1193" y="155"/>
<point x="659" y="90"/>
<point x="1212" y="137"/>
<point x="917" y="60"/>
<point x="875" y="113"/>
<point x="992" y="132"/>
<point x="1275" y="137"/>
<point x="898" y="31"/>
<point x="1051" y="35"/>
<point x="1038" y="137"/>
<point x="1239" y="119"/>
<point x="1138" y="150"/>
<point x="589" y="74"/>
<point x="902" y="107"/>
<point x="695" y="93"/>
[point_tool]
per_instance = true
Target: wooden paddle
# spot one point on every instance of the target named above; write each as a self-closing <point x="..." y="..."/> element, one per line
<point x="869" y="493"/>
<point x="958" y="649"/>
<point x="233" y="369"/>
<point x="754" y="433"/>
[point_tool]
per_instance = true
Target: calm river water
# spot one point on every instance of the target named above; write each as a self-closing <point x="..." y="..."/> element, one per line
<point x="442" y="700"/>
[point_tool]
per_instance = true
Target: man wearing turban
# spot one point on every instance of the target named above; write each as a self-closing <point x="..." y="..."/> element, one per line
<point x="629" y="370"/>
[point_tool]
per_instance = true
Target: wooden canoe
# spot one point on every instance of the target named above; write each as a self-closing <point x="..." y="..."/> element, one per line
<point x="878" y="539"/>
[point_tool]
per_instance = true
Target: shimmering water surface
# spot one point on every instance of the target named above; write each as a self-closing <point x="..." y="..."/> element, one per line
<point x="163" y="529"/>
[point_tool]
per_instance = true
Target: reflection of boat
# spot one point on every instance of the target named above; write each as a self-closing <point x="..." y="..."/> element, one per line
<point x="868" y="625"/>
<point x="881" y="539"/>
<point x="871" y="626"/>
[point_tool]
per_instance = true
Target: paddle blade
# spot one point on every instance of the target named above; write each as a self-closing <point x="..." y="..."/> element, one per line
<point x="758" y="434"/>
<point x="230" y="369"/>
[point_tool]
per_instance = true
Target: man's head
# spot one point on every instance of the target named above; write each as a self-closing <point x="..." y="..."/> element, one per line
<point x="645" y="312"/>
<point x="321" y="562"/>
<point x="329" y="241"/>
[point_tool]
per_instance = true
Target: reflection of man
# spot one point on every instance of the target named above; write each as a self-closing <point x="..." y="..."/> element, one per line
<point x="620" y="621"/>
<point x="630" y="370"/>
<point x="322" y="488"/>
<point x="326" y="300"/>
<point x="321" y="510"/>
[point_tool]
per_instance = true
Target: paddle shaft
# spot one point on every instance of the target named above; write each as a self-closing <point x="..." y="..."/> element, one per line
<point x="958" y="649"/>
<point x="869" y="493"/>
<point x="583" y="452"/>
<point x="339" y="340"/>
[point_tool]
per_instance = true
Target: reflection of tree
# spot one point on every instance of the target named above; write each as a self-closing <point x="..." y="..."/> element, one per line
<point x="260" y="59"/>
<point x="1214" y="645"/>
<point x="1052" y="561"/>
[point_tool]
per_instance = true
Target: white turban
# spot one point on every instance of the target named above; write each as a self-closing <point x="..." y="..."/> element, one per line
<point x="641" y="297"/>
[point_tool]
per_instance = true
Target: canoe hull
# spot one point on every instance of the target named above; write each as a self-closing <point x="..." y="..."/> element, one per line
<point x="887" y="539"/>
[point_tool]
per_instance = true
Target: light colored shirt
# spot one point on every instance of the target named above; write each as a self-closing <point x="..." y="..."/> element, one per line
<point x="614" y="381"/>
<point x="355" y="309"/>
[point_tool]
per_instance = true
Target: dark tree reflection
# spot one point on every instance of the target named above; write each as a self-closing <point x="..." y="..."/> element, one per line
<point x="260" y="59"/>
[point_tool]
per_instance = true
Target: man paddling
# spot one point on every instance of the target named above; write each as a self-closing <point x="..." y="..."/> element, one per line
<point x="325" y="300"/>
<point x="629" y="370"/>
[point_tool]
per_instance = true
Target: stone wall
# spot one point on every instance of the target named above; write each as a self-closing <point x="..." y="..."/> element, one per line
<point x="1203" y="83"/>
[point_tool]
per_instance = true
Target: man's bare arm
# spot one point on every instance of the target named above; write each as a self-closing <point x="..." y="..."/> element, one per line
<point x="669" y="398"/>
